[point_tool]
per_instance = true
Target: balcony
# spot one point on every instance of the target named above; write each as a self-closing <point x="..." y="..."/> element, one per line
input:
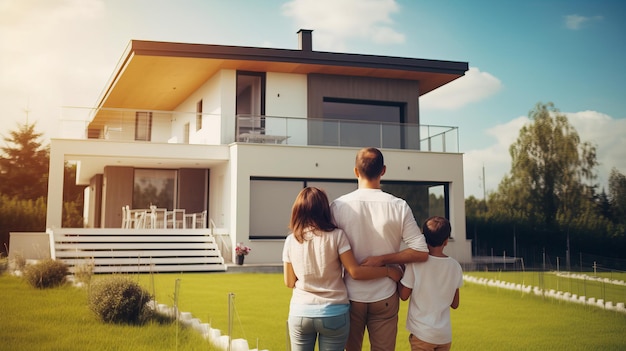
<point x="212" y="129"/>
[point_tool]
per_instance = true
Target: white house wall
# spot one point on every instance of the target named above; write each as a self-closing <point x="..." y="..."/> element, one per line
<point x="331" y="163"/>
<point x="437" y="167"/>
<point x="219" y="195"/>
<point x="286" y="96"/>
<point x="209" y="93"/>
<point x="228" y="103"/>
<point x="161" y="127"/>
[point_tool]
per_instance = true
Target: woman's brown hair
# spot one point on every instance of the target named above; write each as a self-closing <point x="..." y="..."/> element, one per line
<point x="311" y="209"/>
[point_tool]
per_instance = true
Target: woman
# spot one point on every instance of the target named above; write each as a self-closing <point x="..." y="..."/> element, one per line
<point x="313" y="256"/>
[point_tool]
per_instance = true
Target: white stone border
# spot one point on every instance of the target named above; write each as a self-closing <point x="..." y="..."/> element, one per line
<point x="214" y="336"/>
<point x="559" y="295"/>
<point x="588" y="277"/>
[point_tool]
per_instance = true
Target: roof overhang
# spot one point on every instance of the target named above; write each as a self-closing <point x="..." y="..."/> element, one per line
<point x="161" y="75"/>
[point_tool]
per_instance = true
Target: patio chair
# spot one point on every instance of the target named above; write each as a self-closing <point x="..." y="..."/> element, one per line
<point x="200" y="219"/>
<point x="140" y="219"/>
<point x="159" y="218"/>
<point x="128" y="221"/>
<point x="176" y="219"/>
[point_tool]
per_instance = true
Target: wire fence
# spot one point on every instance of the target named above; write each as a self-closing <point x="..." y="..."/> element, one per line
<point x="542" y="261"/>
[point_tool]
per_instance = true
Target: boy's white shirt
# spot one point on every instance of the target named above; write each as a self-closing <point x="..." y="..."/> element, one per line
<point x="434" y="284"/>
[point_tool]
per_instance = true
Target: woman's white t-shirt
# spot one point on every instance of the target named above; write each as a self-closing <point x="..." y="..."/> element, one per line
<point x="318" y="268"/>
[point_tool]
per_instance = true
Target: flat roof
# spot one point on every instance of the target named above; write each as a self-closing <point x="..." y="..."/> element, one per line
<point x="155" y="75"/>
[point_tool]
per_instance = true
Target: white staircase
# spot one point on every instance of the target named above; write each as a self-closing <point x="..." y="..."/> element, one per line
<point x="114" y="250"/>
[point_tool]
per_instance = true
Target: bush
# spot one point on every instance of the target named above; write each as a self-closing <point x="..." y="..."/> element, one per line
<point x="47" y="273"/>
<point x="118" y="299"/>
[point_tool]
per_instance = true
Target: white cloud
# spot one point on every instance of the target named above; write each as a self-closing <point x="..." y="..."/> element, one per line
<point x="606" y="133"/>
<point x="575" y="22"/>
<point x="495" y="159"/>
<point x="472" y="87"/>
<point x="334" y="22"/>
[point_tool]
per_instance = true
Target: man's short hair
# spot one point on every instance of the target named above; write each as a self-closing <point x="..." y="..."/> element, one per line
<point x="436" y="230"/>
<point x="370" y="162"/>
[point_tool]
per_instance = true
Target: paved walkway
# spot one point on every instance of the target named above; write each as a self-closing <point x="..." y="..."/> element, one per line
<point x="254" y="268"/>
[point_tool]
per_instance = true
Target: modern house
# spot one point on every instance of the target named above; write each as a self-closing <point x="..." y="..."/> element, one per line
<point x="232" y="134"/>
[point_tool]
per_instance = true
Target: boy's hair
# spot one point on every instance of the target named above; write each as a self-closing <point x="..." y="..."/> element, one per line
<point x="311" y="209"/>
<point x="370" y="162"/>
<point x="436" y="230"/>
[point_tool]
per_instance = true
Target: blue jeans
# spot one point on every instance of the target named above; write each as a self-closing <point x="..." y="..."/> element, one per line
<point x="332" y="331"/>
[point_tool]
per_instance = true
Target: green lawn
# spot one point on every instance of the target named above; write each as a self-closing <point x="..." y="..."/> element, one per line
<point x="487" y="319"/>
<point x="59" y="319"/>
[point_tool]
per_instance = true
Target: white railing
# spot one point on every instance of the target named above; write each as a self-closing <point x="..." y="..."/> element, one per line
<point x="223" y="240"/>
<point x="180" y="127"/>
<point x="345" y="133"/>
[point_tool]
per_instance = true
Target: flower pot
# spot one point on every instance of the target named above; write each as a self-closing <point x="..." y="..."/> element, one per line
<point x="240" y="259"/>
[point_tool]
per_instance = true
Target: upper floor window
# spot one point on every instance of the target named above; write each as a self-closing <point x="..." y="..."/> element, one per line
<point x="199" y="115"/>
<point x="251" y="93"/>
<point x="360" y="123"/>
<point x="143" y="126"/>
<point x="363" y="110"/>
<point x="250" y="101"/>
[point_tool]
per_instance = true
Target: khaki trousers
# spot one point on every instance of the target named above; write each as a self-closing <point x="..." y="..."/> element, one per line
<point x="420" y="345"/>
<point x="381" y="320"/>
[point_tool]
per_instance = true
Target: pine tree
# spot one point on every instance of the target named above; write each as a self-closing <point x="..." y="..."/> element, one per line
<point x="24" y="164"/>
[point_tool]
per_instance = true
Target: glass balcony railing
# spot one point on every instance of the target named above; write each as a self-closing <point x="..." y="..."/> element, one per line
<point x="346" y="133"/>
<point x="212" y="129"/>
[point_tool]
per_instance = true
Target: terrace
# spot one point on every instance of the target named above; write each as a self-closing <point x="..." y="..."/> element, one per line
<point x="174" y="127"/>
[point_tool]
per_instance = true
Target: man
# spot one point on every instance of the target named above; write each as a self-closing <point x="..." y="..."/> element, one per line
<point x="376" y="224"/>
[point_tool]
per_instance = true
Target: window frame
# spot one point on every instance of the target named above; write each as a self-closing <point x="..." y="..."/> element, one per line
<point x="145" y="126"/>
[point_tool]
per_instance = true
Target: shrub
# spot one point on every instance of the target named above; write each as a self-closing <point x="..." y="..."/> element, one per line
<point x="118" y="299"/>
<point x="47" y="273"/>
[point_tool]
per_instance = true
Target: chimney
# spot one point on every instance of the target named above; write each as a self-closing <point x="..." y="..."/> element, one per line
<point x="305" y="39"/>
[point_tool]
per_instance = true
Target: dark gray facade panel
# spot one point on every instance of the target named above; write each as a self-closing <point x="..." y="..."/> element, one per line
<point x="362" y="88"/>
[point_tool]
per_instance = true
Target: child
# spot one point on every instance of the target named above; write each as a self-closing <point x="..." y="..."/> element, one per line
<point x="313" y="256"/>
<point x="434" y="288"/>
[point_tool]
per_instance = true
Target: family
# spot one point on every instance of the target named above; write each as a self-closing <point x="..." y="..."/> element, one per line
<point x="346" y="260"/>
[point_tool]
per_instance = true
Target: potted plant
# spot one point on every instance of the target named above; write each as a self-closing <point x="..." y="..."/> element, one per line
<point x="241" y="250"/>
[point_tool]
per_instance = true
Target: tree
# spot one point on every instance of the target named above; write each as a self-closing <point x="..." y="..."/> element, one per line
<point x="24" y="165"/>
<point x="617" y="196"/>
<point x="550" y="170"/>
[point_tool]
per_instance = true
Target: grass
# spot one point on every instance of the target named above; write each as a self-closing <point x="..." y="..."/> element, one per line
<point x="549" y="280"/>
<point x="487" y="318"/>
<point x="59" y="319"/>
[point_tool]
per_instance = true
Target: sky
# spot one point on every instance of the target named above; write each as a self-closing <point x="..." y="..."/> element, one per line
<point x="60" y="53"/>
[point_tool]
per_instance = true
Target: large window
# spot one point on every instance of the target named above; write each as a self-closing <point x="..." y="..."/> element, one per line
<point x="271" y="200"/>
<point x="154" y="187"/>
<point x="358" y="123"/>
<point x="426" y="199"/>
<point x="250" y="101"/>
<point x="143" y="126"/>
